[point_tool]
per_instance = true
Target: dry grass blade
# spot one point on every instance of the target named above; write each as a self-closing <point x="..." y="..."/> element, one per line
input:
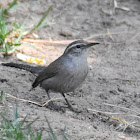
<point x="108" y="113"/>
<point x="47" y="41"/>
<point x="108" y="34"/>
<point x="63" y="42"/>
<point x="36" y="103"/>
<point x="112" y="113"/>
<point x="122" y="108"/>
<point x="123" y="123"/>
<point x="119" y="119"/>
<point x="69" y="41"/>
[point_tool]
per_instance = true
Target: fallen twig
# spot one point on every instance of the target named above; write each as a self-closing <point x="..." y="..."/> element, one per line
<point x="69" y="41"/>
<point x="24" y="100"/>
<point x="121" y="108"/>
<point x="47" y="41"/>
<point x="112" y="113"/>
<point x="97" y="35"/>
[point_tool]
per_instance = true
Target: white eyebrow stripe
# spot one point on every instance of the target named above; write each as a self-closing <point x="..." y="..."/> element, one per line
<point x="73" y="46"/>
<point x="76" y="44"/>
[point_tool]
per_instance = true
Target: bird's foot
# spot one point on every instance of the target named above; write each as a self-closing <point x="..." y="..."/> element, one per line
<point x="74" y="109"/>
<point x="53" y="106"/>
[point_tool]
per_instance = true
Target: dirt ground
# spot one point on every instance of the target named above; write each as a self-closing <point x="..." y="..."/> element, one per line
<point x="110" y="96"/>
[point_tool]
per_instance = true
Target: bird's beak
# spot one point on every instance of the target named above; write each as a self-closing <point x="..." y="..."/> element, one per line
<point x="93" y="43"/>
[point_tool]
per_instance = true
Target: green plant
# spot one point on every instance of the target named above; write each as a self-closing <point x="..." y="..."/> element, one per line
<point x="52" y="135"/>
<point x="14" y="130"/>
<point x="2" y="97"/>
<point x="8" y="44"/>
<point x="12" y="5"/>
<point x="41" y="23"/>
<point x="11" y="33"/>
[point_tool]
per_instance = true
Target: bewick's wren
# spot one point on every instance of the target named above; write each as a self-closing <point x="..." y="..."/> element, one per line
<point x="67" y="72"/>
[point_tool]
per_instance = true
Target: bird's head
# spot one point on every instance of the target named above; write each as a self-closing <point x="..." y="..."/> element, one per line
<point x="78" y="48"/>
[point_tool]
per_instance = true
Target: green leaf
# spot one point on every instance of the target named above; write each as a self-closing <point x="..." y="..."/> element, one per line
<point x="29" y="125"/>
<point x="6" y="121"/>
<point x="63" y="134"/>
<point x="41" y="20"/>
<point x="3" y="29"/>
<point x="51" y="130"/>
<point x="39" y="136"/>
<point x="11" y="6"/>
<point x="15" y="116"/>
<point x="19" y="125"/>
<point x="30" y="45"/>
<point x="44" y="16"/>
<point x="20" y="35"/>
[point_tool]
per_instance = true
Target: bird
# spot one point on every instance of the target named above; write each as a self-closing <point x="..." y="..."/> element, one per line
<point x="64" y="74"/>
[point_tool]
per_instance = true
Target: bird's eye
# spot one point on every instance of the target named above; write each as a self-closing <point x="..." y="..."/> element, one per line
<point x="78" y="46"/>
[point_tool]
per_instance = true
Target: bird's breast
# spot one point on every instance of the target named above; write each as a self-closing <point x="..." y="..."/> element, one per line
<point x="73" y="76"/>
<point x="70" y="76"/>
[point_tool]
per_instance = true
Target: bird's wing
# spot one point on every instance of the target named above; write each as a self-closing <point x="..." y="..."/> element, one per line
<point x="48" y="72"/>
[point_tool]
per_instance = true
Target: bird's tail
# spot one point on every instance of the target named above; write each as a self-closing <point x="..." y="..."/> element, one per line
<point x="33" y="69"/>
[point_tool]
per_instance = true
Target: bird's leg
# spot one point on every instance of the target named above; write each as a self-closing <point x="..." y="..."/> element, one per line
<point x="48" y="94"/>
<point x="50" y="103"/>
<point x="69" y="105"/>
